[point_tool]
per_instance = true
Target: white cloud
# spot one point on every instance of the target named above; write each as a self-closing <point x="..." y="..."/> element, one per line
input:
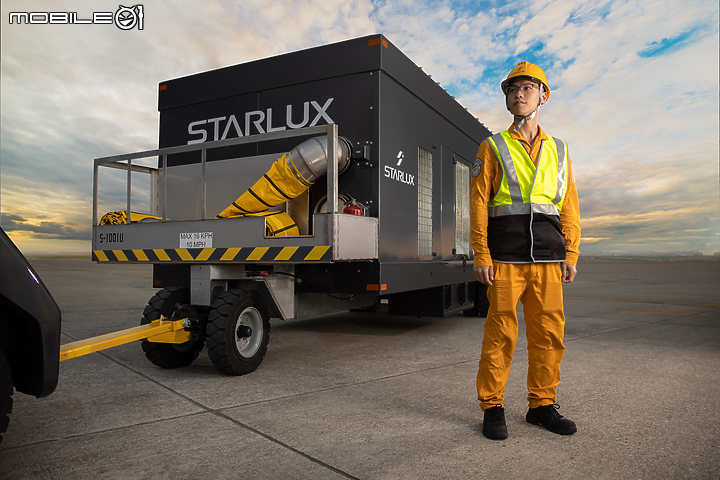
<point x="635" y="89"/>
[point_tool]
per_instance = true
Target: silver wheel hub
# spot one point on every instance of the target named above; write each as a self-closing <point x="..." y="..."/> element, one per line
<point x="249" y="332"/>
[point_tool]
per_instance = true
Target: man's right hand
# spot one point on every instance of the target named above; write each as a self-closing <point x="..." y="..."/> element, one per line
<point x="485" y="274"/>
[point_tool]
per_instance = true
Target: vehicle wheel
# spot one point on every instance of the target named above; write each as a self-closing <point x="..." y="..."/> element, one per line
<point x="6" y="394"/>
<point x="238" y="332"/>
<point x="172" y="303"/>
<point x="482" y="304"/>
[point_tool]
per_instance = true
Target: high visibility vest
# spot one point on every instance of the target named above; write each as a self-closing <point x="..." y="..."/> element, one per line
<point x="524" y="215"/>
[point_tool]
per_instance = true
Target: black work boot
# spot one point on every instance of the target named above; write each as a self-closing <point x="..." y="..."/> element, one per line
<point x="494" y="426"/>
<point x="549" y="417"/>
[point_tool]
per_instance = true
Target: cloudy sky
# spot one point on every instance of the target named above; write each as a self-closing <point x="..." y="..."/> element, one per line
<point x="634" y="93"/>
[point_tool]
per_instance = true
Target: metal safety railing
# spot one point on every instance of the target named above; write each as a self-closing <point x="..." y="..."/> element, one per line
<point x="125" y="162"/>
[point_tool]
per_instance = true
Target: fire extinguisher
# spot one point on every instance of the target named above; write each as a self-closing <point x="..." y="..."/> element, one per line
<point x="353" y="209"/>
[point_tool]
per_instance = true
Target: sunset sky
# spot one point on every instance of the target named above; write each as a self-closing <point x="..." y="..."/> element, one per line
<point x="634" y="93"/>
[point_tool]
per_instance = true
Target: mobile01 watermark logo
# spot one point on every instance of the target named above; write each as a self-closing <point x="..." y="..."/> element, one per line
<point x="125" y="18"/>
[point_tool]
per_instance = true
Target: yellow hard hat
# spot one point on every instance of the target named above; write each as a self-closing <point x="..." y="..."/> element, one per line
<point x="529" y="70"/>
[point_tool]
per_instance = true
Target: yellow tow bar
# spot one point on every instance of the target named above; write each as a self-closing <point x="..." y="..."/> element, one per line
<point x="159" y="331"/>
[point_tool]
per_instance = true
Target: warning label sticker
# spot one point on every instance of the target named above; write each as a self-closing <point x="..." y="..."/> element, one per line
<point x="196" y="240"/>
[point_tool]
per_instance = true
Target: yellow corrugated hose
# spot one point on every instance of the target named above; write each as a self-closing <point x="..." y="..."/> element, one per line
<point x="281" y="183"/>
<point x="120" y="218"/>
<point x="277" y="186"/>
<point x="277" y="224"/>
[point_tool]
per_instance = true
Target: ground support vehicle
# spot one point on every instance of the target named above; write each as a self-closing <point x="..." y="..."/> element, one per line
<point x="397" y="149"/>
<point x="29" y="331"/>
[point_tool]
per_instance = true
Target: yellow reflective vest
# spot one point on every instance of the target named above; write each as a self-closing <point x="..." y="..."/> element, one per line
<point x="524" y="215"/>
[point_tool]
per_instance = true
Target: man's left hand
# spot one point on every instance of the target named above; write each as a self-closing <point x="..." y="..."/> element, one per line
<point x="568" y="272"/>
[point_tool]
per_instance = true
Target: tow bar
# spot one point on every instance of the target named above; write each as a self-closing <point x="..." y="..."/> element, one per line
<point x="158" y="331"/>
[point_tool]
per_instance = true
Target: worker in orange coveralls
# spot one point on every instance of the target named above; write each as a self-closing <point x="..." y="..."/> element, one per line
<point x="525" y="234"/>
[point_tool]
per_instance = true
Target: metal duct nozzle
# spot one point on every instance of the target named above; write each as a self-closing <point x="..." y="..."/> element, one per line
<point x="310" y="158"/>
<point x="290" y="176"/>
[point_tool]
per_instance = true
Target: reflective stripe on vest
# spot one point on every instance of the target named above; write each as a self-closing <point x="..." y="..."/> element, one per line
<point x="519" y="192"/>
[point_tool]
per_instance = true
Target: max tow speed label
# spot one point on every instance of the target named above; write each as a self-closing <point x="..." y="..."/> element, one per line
<point x="196" y="240"/>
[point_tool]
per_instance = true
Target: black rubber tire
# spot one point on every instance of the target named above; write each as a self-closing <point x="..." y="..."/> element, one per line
<point x="482" y="304"/>
<point x="6" y="394"/>
<point x="171" y="302"/>
<point x="231" y="311"/>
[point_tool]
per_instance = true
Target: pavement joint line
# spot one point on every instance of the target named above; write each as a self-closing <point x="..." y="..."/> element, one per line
<point x="565" y="340"/>
<point x="220" y="414"/>
<point x="664" y="313"/>
<point x="69" y="336"/>
<point x="217" y="412"/>
<point x="645" y="301"/>
<point x="283" y="444"/>
<point x="106" y="430"/>
<point x="355" y="384"/>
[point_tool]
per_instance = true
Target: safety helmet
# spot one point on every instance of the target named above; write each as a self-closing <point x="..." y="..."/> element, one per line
<point x="527" y="70"/>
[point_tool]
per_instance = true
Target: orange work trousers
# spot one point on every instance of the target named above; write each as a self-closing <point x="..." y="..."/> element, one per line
<point x="539" y="287"/>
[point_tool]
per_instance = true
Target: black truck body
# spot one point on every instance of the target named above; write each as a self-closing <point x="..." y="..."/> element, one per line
<point x="391" y="111"/>
<point x="29" y="330"/>
<point x="412" y="148"/>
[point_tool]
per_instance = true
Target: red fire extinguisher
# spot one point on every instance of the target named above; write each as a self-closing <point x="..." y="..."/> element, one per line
<point x="353" y="209"/>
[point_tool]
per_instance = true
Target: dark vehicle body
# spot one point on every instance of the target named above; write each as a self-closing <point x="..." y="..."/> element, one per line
<point x="411" y="149"/>
<point x="29" y="330"/>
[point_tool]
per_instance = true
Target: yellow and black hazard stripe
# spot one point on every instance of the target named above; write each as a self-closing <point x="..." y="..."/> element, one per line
<point x="217" y="255"/>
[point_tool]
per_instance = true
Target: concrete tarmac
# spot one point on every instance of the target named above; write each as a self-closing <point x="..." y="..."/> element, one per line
<point x="370" y="396"/>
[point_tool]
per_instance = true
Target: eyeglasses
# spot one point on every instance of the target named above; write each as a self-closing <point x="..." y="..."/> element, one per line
<point x="525" y="88"/>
